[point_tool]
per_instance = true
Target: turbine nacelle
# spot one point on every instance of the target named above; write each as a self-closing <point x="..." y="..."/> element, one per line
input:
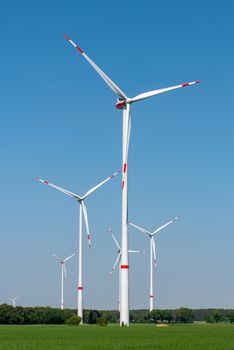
<point x="121" y="103"/>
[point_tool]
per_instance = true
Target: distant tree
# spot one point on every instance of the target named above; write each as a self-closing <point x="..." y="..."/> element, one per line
<point x="230" y="316"/>
<point x="91" y="319"/>
<point x="218" y="317"/>
<point x="85" y="315"/>
<point x="93" y="315"/>
<point x="67" y="313"/>
<point x="168" y="316"/>
<point x="209" y="319"/>
<point x="184" y="315"/>
<point x="139" y="316"/>
<point x="112" y="316"/>
<point x="48" y="315"/>
<point x="132" y="317"/>
<point x="156" y="316"/>
<point x="32" y="316"/>
<point x="5" y="313"/>
<point x="54" y="316"/>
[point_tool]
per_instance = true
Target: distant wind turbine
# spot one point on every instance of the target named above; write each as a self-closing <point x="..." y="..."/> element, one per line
<point x="152" y="254"/>
<point x="63" y="273"/>
<point x="13" y="300"/>
<point x="83" y="212"/>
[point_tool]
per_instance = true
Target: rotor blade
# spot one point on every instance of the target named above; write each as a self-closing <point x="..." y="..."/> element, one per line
<point x="65" y="272"/>
<point x="59" y="188"/>
<point x="115" y="240"/>
<point x="161" y="91"/>
<point x="116" y="262"/>
<point x="139" y="228"/>
<point x="136" y="251"/>
<point x="165" y="225"/>
<point x="86" y="221"/>
<point x="99" y="185"/>
<point x="69" y="257"/>
<point x="108" y="81"/>
<point x="154" y="251"/>
<point x="55" y="256"/>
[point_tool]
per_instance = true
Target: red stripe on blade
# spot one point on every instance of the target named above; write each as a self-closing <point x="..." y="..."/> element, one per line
<point x="124" y="266"/>
<point x="79" y="49"/>
<point x="125" y="168"/>
<point x="122" y="185"/>
<point x="46" y="182"/>
<point x="79" y="288"/>
<point x="67" y="37"/>
<point x="186" y="84"/>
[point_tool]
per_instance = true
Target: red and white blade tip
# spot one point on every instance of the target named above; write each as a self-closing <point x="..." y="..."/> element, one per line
<point x="76" y="46"/>
<point x="117" y="172"/>
<point x="44" y="181"/>
<point x="194" y="82"/>
<point x="67" y="37"/>
<point x="89" y="240"/>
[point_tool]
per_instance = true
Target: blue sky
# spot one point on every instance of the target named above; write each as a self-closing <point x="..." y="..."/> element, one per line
<point x="59" y="122"/>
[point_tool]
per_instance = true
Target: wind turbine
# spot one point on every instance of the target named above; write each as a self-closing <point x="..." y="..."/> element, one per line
<point x="152" y="254"/>
<point x="118" y="259"/>
<point x="13" y="300"/>
<point x="63" y="273"/>
<point x="82" y="212"/>
<point x="124" y="103"/>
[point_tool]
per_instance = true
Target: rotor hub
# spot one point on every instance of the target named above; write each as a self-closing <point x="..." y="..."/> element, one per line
<point x="121" y="103"/>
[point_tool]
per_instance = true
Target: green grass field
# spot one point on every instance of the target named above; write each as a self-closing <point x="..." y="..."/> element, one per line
<point x="137" y="337"/>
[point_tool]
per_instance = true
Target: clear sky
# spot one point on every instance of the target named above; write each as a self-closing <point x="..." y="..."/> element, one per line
<point x="59" y="122"/>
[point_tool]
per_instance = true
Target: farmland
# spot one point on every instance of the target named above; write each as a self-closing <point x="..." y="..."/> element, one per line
<point x="137" y="337"/>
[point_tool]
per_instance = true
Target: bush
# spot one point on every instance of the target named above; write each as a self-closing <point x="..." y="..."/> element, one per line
<point x="102" y="321"/>
<point x="74" y="321"/>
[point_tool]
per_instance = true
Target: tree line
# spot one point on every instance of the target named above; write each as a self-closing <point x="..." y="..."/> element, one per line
<point x="47" y="315"/>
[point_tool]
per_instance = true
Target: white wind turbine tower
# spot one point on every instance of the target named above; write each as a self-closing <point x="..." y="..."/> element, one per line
<point x="124" y="103"/>
<point x="152" y="254"/>
<point x="63" y="273"/>
<point x="118" y="259"/>
<point x="13" y="300"/>
<point x="82" y="212"/>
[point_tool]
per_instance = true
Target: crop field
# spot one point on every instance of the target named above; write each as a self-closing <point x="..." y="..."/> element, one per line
<point x="137" y="337"/>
